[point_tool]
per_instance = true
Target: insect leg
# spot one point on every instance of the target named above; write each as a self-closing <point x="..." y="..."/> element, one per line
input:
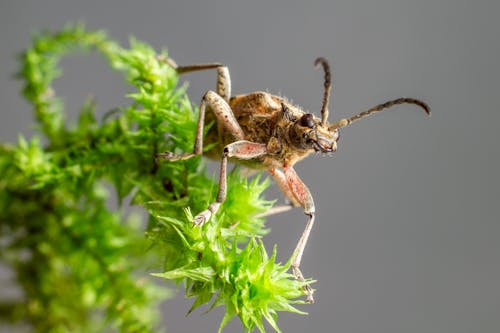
<point x="223" y="77"/>
<point x="305" y="199"/>
<point x="280" y="179"/>
<point x="224" y="116"/>
<point x="275" y="210"/>
<point x="240" y="149"/>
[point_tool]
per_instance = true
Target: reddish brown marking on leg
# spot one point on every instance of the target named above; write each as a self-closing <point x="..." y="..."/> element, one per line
<point x="245" y="149"/>
<point x="299" y="190"/>
<point x="280" y="179"/>
<point x="304" y="197"/>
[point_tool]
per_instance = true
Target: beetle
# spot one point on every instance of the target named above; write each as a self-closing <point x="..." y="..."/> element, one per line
<point x="265" y="131"/>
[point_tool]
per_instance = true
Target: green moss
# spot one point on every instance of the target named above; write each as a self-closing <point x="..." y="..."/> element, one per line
<point x="83" y="267"/>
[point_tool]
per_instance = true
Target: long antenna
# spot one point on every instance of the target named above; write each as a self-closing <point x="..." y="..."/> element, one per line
<point x="347" y="121"/>
<point x="327" y="85"/>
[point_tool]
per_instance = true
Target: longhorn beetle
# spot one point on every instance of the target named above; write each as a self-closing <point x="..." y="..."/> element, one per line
<point x="264" y="131"/>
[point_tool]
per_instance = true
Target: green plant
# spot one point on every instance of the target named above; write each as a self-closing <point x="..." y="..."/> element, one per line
<point x="82" y="266"/>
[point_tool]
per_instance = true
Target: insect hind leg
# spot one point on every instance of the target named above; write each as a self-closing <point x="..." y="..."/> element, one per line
<point x="223" y="77"/>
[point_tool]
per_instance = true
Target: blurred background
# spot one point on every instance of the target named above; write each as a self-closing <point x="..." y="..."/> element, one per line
<point x="408" y="222"/>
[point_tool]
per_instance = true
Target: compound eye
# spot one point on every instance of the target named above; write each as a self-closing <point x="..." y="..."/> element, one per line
<point x="307" y="120"/>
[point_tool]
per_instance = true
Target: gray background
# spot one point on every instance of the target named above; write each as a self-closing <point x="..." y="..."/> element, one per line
<point x="407" y="229"/>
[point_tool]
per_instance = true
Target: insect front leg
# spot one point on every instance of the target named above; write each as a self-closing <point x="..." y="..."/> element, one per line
<point x="303" y="196"/>
<point x="240" y="149"/>
<point x="225" y="118"/>
<point x="280" y="179"/>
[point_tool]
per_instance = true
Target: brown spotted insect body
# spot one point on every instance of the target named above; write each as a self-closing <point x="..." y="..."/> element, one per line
<point x="263" y="131"/>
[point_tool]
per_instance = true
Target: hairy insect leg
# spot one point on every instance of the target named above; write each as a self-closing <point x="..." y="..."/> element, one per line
<point x="225" y="118"/>
<point x="280" y="179"/>
<point x="223" y="77"/>
<point x="303" y="196"/>
<point x="240" y="149"/>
